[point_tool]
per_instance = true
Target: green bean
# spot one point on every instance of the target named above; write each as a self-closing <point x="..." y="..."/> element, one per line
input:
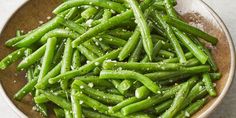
<point x="169" y="8"/>
<point x="66" y="61"/>
<point x="210" y="58"/>
<point x="209" y="85"/>
<point x="182" y="71"/>
<point x="99" y="14"/>
<point x="86" y="68"/>
<point x="123" y="104"/>
<point x="59" y="52"/>
<point x="104" y="46"/>
<point x="11" y="42"/>
<point x="47" y="58"/>
<point x="93" y="114"/>
<point x="141" y="92"/>
<point x="112" y="22"/>
<point x="72" y="13"/>
<point x="141" y="67"/>
<point x="96" y="71"/>
<point x="124" y="74"/>
<point x="179" y="99"/>
<point x="130" y="45"/>
<point x="25" y="90"/>
<point x="59" y="113"/>
<point x="95" y="80"/>
<point x="191" y="109"/>
<point x="94" y="48"/>
<point x="163" y="106"/>
<point x="198" y="53"/>
<point x="121" y="33"/>
<point x="44" y="82"/>
<point x="143" y="27"/>
<point x="76" y="107"/>
<point x="175" y="60"/>
<point x="42" y="109"/>
<point x="108" y="39"/>
<point x="92" y="102"/>
<point x="166" y="54"/>
<point x="76" y="60"/>
<point x="30" y="71"/>
<point x="58" y="33"/>
<point x="96" y="94"/>
<point x="190" y="29"/>
<point x="106" y="15"/>
<point x="39" y="32"/>
<point x="101" y="3"/>
<point x="42" y="98"/>
<point x="171" y="36"/>
<point x="135" y="56"/>
<point x="124" y="86"/>
<point x="18" y="33"/>
<point x="57" y="100"/>
<point x="157" y="48"/>
<point x="89" y="12"/>
<point x="31" y="59"/>
<point x="87" y="53"/>
<point x="75" y="27"/>
<point x="11" y="58"/>
<point x="80" y="20"/>
<point x="215" y="76"/>
<point x="148" y="102"/>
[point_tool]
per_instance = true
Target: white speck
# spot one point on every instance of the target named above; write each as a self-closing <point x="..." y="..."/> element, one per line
<point x="187" y="114"/>
<point x="120" y="68"/>
<point x="49" y="17"/>
<point x="81" y="86"/>
<point x="149" y="97"/>
<point x="96" y="63"/>
<point x="87" y="62"/>
<point x="214" y="84"/>
<point x="109" y="107"/>
<point x="90" y="85"/>
<point x="34" y="108"/>
<point x="89" y="22"/>
<point x="81" y="102"/>
<point x="15" y="74"/>
<point x="159" y="92"/>
<point x="100" y="39"/>
<point x="96" y="43"/>
<point x="40" y="22"/>
<point x="18" y="52"/>
<point x="14" y="81"/>
<point x="112" y="11"/>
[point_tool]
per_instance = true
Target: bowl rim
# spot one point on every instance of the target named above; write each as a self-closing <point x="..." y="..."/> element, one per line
<point x="204" y="114"/>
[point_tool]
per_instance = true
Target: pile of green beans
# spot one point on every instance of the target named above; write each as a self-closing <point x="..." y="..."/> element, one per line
<point x="115" y="58"/>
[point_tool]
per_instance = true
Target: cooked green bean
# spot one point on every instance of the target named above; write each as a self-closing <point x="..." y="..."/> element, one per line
<point x="75" y="27"/>
<point x="102" y="3"/>
<point x="166" y="54"/>
<point x="30" y="71"/>
<point x="11" y="42"/>
<point x="25" y="90"/>
<point x="121" y="33"/>
<point x="89" y="12"/>
<point x="143" y="27"/>
<point x="124" y="74"/>
<point x="72" y="13"/>
<point x="190" y="29"/>
<point x="95" y="80"/>
<point x="191" y="109"/>
<point x="124" y="86"/>
<point x="86" y="68"/>
<point x="106" y="15"/>
<point x="111" y="40"/>
<point x="142" y="92"/>
<point x="31" y="59"/>
<point x="57" y="100"/>
<point x="58" y="33"/>
<point x="171" y="36"/>
<point x="39" y="32"/>
<point x="87" y="53"/>
<point x="96" y="94"/>
<point x="93" y="114"/>
<point x="66" y="62"/>
<point x="42" y="98"/>
<point x="141" y="67"/>
<point x="135" y="56"/>
<point x="130" y="45"/>
<point x="123" y="104"/>
<point x="59" y="112"/>
<point x="209" y="85"/>
<point x="47" y="58"/>
<point x="76" y="107"/>
<point x="96" y="105"/>
<point x="179" y="99"/>
<point x="11" y="58"/>
<point x="198" y="53"/>
<point x="44" y="82"/>
<point x="94" y="48"/>
<point x="76" y="60"/>
<point x="163" y="106"/>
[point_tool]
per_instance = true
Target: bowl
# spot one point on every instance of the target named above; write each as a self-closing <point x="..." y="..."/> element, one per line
<point x="196" y="12"/>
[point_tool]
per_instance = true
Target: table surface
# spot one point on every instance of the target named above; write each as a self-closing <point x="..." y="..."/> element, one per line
<point x="224" y="8"/>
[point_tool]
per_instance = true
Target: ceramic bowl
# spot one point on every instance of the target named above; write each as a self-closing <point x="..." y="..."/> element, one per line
<point x="196" y="12"/>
